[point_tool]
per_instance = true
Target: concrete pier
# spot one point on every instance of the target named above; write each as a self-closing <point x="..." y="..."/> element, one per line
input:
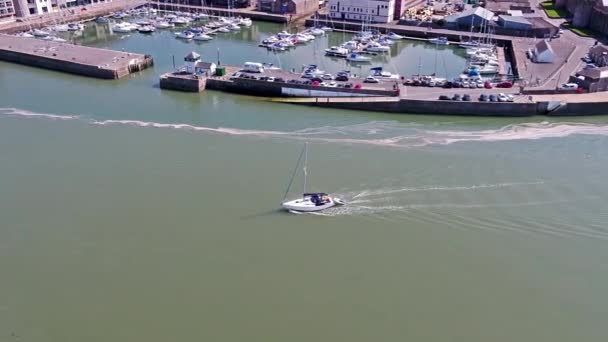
<point x="74" y="59"/>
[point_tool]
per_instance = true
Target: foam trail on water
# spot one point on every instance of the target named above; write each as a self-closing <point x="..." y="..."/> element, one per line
<point x="376" y="133"/>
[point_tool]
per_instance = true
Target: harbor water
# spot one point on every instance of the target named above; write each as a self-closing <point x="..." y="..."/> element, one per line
<point x="128" y="213"/>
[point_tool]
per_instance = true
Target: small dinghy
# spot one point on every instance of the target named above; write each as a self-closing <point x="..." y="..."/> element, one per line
<point x="310" y="201"/>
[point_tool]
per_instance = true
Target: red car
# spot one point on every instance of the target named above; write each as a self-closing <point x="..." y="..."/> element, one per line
<point x="487" y="85"/>
<point x="504" y="85"/>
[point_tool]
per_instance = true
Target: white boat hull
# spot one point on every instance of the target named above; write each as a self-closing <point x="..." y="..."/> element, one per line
<point x="306" y="205"/>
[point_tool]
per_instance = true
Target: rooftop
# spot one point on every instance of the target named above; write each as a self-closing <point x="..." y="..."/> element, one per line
<point x="513" y="19"/>
<point x="594" y="74"/>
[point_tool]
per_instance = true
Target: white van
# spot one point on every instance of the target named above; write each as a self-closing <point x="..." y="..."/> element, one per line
<point x="253" y="67"/>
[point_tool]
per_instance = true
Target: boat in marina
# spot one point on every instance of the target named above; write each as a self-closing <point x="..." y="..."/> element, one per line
<point x="485" y="69"/>
<point x="357" y="58"/>
<point x="223" y="29"/>
<point x="53" y="39"/>
<point x="439" y="41"/>
<point x="336" y="51"/>
<point x="122" y="28"/>
<point x="26" y="35"/>
<point x="163" y="24"/>
<point x="184" y="35"/>
<point x="39" y="33"/>
<point x="60" y="28"/>
<point x="350" y="45"/>
<point x="202" y="37"/>
<point x="310" y="201"/>
<point x="379" y="73"/>
<point x="180" y="21"/>
<point x="376" y="47"/>
<point x="146" y="29"/>
<point x="143" y="22"/>
<point x="102" y="20"/>
<point x="233" y="27"/>
<point x="326" y="28"/>
<point x="317" y="32"/>
<point x="393" y="36"/>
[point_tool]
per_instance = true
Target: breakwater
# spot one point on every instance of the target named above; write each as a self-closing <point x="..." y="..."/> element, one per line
<point x="74" y="59"/>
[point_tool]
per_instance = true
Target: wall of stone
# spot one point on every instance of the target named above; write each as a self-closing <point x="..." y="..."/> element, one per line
<point x="58" y="65"/>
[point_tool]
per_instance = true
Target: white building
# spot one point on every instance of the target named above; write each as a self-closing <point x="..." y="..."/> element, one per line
<point x="26" y="8"/>
<point x="374" y="11"/>
<point x="543" y="53"/>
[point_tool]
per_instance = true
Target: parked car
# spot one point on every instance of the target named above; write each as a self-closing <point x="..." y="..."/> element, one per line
<point x="487" y="85"/>
<point x="371" y="79"/>
<point x="444" y="98"/>
<point x="502" y="98"/>
<point x="270" y="79"/>
<point x="348" y="85"/>
<point x="493" y="98"/>
<point x="448" y="85"/>
<point x="279" y="79"/>
<point x="504" y="85"/>
<point x="327" y="77"/>
<point x="342" y="78"/>
<point x="569" y="86"/>
<point x="484" y="98"/>
<point x="587" y="59"/>
<point x="456" y="97"/>
<point x="510" y="98"/>
<point x="333" y="84"/>
<point x="316" y="79"/>
<point x="590" y="66"/>
<point x="466" y="97"/>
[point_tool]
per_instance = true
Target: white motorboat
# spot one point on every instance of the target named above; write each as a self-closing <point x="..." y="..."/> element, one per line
<point x="483" y="70"/>
<point x="375" y="47"/>
<point x="310" y="201"/>
<point x="75" y="27"/>
<point x="246" y="22"/>
<point x="317" y="32"/>
<point x="202" y="37"/>
<point x="146" y="29"/>
<point x="170" y="16"/>
<point x="393" y="36"/>
<point x="184" y="35"/>
<point x="180" y="21"/>
<point x="284" y="34"/>
<point x="234" y="27"/>
<point x="336" y="51"/>
<point x="143" y="22"/>
<point x="122" y="28"/>
<point x="223" y="29"/>
<point x="379" y="73"/>
<point x="163" y="24"/>
<point x="276" y="47"/>
<point x="60" y="28"/>
<point x="355" y="57"/>
<point x="326" y="28"/>
<point x="39" y="33"/>
<point x="439" y="41"/>
<point x="350" y="45"/>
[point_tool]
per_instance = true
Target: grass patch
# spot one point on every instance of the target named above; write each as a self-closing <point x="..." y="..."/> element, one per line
<point x="552" y="12"/>
<point x="581" y="31"/>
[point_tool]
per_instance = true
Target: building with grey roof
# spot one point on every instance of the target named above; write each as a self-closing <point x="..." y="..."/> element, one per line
<point x="474" y="16"/>
<point x="514" y="23"/>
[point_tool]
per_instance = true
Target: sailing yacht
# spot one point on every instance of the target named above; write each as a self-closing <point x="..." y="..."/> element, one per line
<point x="310" y="201"/>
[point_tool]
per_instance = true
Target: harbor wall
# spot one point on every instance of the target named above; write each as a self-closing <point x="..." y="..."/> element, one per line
<point x="580" y="109"/>
<point x="275" y="89"/>
<point x="61" y="65"/>
<point x="187" y="83"/>
<point x="408" y="106"/>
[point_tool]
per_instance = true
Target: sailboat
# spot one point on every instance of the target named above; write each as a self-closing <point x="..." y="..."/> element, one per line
<point x="310" y="201"/>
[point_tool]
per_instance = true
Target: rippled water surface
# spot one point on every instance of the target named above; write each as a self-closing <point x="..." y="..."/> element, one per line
<point x="128" y="213"/>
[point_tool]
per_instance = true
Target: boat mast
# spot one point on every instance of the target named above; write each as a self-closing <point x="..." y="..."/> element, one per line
<point x="305" y="163"/>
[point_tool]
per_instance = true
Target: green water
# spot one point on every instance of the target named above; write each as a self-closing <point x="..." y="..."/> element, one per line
<point x="133" y="214"/>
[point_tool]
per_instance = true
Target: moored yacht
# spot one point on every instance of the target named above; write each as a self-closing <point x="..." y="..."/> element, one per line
<point x="439" y="41"/>
<point x="355" y="57"/>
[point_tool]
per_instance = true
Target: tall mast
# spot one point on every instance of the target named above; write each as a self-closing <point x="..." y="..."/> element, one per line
<point x="305" y="163"/>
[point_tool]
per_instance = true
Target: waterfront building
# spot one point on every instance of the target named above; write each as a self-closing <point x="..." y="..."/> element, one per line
<point x="543" y="52"/>
<point x="593" y="80"/>
<point x="288" y="6"/>
<point x="505" y="6"/>
<point x="7" y="9"/>
<point x="474" y="16"/>
<point x="514" y="23"/>
<point x="25" y="8"/>
<point x="599" y="55"/>
<point x="374" y="11"/>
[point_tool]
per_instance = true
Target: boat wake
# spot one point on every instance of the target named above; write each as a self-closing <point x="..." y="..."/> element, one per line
<point x="377" y="133"/>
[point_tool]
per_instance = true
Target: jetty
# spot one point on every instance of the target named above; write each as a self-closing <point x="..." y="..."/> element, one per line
<point x="74" y="59"/>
